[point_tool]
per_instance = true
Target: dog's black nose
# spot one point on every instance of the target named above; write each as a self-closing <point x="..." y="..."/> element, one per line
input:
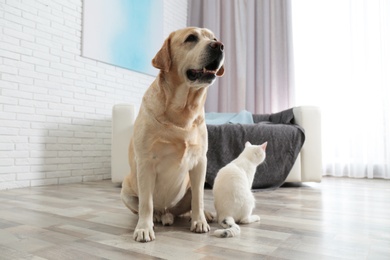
<point x="216" y="45"/>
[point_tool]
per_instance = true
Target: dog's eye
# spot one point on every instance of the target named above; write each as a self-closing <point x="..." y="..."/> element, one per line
<point x="191" y="38"/>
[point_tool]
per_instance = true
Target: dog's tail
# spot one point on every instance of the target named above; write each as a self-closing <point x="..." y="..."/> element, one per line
<point x="231" y="228"/>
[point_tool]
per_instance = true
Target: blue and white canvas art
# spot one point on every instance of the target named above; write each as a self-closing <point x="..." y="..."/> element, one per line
<point x="125" y="33"/>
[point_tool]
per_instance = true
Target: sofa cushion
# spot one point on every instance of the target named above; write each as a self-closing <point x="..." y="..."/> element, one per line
<point x="227" y="141"/>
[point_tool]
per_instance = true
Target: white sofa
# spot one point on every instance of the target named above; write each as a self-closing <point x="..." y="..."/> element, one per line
<point x="307" y="167"/>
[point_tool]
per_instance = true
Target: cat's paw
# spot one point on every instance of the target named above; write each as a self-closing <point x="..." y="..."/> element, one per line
<point x="250" y="219"/>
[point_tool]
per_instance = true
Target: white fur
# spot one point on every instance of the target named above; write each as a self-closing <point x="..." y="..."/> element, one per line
<point x="233" y="198"/>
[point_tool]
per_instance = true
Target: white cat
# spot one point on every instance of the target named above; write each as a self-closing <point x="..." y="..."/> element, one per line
<point x="233" y="198"/>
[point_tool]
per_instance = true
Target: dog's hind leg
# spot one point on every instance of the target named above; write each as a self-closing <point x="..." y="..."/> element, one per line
<point x="184" y="206"/>
<point x="129" y="198"/>
<point x="210" y="217"/>
<point x="167" y="219"/>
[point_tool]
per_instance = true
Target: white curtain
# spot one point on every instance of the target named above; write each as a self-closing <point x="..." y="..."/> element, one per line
<point x="342" y="64"/>
<point x="258" y="47"/>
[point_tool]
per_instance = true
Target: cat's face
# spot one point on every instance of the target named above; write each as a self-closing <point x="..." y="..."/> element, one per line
<point x="256" y="153"/>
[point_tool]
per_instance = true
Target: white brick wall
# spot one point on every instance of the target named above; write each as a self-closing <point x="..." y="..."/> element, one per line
<point x="55" y="105"/>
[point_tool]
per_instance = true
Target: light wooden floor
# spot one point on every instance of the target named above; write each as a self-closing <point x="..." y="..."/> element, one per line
<point x="336" y="219"/>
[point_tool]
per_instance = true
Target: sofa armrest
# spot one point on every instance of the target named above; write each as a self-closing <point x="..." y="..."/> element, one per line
<point x="309" y="118"/>
<point x="123" y="116"/>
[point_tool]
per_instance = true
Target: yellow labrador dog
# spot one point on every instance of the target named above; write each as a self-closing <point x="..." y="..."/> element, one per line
<point x="167" y="152"/>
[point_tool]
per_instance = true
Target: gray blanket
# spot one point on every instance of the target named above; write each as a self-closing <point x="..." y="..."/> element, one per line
<point x="285" y="140"/>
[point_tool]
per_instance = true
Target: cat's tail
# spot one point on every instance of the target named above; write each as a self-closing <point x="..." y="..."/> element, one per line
<point x="231" y="228"/>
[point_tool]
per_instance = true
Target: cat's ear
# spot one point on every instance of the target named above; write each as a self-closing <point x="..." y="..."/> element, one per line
<point x="263" y="146"/>
<point x="247" y="144"/>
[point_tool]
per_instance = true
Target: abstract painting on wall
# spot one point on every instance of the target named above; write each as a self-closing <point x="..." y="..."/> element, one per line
<point x="125" y="33"/>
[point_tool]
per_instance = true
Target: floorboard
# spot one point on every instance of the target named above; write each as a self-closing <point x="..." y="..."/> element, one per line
<point x="339" y="218"/>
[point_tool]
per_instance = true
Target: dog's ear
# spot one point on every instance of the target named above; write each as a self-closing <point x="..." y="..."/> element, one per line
<point x="163" y="60"/>
<point x="221" y="71"/>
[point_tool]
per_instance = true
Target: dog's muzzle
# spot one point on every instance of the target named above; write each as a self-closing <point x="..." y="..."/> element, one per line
<point x="213" y="61"/>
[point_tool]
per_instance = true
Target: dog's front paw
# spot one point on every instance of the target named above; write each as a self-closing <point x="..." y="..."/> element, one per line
<point x="144" y="234"/>
<point x="200" y="226"/>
